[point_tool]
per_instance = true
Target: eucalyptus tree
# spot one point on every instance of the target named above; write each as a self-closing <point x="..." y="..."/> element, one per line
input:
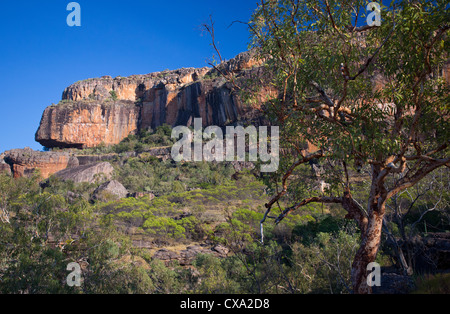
<point x="361" y="95"/>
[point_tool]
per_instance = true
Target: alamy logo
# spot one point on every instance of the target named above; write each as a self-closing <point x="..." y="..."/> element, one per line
<point x="374" y="18"/>
<point x="74" y="278"/>
<point x="234" y="142"/>
<point x="374" y="277"/>
<point x="74" y="18"/>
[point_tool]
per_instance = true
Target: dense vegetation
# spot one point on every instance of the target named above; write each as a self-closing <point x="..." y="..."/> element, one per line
<point x="58" y="223"/>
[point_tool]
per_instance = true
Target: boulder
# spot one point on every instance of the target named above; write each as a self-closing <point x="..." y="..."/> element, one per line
<point x="87" y="173"/>
<point x="136" y="195"/>
<point x="393" y="283"/>
<point x="221" y="250"/>
<point x="166" y="255"/>
<point x="110" y="190"/>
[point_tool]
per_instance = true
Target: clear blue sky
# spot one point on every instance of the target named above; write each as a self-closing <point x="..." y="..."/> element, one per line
<point x="40" y="55"/>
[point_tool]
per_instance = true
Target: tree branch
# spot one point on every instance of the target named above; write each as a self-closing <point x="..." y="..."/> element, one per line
<point x="369" y="61"/>
<point x="406" y="182"/>
<point x="322" y="93"/>
<point x="316" y="155"/>
<point x="283" y="192"/>
<point x="210" y="29"/>
<point x="321" y="199"/>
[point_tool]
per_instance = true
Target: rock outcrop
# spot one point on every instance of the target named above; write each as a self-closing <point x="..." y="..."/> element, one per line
<point x="87" y="123"/>
<point x="4" y="167"/>
<point x="187" y="256"/>
<point x="130" y="88"/>
<point x="25" y="162"/>
<point x="87" y="173"/>
<point x="111" y="190"/>
<point x="393" y="283"/>
<point x="106" y="110"/>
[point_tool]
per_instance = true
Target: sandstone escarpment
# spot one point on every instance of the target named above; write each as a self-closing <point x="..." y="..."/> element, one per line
<point x="87" y="123"/>
<point x="211" y="100"/>
<point x="106" y="110"/>
<point x="129" y="88"/>
<point x="65" y="165"/>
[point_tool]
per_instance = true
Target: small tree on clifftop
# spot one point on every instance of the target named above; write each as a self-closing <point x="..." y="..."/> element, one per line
<point x="364" y="96"/>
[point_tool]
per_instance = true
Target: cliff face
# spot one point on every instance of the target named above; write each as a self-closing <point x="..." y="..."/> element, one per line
<point x="87" y="123"/>
<point x="210" y="100"/>
<point x="106" y="110"/>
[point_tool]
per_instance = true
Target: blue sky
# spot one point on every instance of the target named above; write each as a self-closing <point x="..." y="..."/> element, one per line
<point x="40" y="55"/>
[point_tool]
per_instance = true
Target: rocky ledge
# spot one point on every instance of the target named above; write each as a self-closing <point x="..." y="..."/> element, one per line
<point x="25" y="162"/>
<point x="64" y="165"/>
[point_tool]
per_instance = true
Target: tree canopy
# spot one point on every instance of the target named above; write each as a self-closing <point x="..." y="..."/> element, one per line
<point x="354" y="96"/>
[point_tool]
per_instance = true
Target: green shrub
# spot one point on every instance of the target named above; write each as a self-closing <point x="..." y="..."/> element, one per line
<point x="164" y="229"/>
<point x="167" y="280"/>
<point x="214" y="277"/>
<point x="194" y="228"/>
<point x="306" y="233"/>
<point x="178" y="187"/>
<point x="113" y="95"/>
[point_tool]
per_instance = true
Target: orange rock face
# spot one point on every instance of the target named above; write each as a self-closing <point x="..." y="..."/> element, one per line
<point x="26" y="161"/>
<point x="106" y="110"/>
<point x="87" y="124"/>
